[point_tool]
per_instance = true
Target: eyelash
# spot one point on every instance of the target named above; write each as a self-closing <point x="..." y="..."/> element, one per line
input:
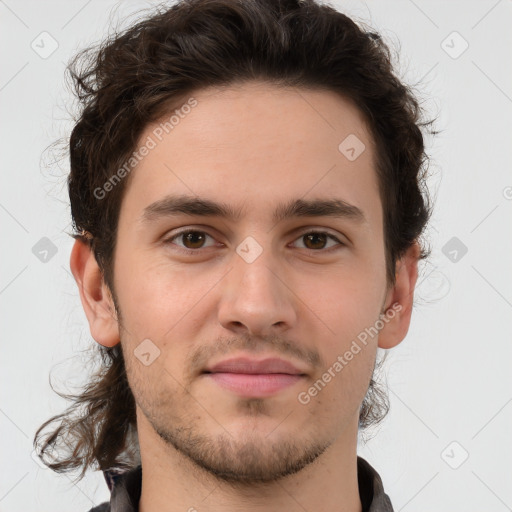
<point x="312" y="232"/>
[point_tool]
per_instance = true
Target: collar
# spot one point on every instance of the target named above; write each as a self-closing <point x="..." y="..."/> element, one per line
<point x="126" y="488"/>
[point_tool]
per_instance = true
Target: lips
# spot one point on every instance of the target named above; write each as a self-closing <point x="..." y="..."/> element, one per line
<point x="252" y="366"/>
<point x="250" y="378"/>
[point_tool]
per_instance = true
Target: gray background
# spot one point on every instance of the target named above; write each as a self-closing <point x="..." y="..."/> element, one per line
<point x="450" y="380"/>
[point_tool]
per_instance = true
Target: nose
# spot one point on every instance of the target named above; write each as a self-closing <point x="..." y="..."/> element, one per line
<point x="256" y="299"/>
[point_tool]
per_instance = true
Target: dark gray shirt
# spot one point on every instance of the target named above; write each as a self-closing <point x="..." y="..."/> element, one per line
<point x="125" y="490"/>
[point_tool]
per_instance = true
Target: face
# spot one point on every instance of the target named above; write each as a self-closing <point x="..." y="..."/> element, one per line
<point x="255" y="278"/>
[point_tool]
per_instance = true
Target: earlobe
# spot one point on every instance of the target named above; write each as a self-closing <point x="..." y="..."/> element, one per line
<point x="95" y="295"/>
<point x="399" y="300"/>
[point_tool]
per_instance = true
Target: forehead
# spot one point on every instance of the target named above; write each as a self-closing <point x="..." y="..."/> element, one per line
<point x="254" y="145"/>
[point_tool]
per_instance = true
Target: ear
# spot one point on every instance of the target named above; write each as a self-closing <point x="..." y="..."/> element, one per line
<point x="95" y="295"/>
<point x="399" y="299"/>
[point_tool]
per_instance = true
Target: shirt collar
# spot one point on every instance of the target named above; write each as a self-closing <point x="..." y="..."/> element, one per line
<point x="126" y="488"/>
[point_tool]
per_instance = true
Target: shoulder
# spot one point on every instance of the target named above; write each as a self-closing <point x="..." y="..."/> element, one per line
<point x="371" y="489"/>
<point x="104" y="507"/>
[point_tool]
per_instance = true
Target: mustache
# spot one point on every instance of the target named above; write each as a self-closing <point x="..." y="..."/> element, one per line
<point x="276" y="344"/>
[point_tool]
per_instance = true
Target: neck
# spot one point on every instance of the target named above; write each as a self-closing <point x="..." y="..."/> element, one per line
<point x="171" y="482"/>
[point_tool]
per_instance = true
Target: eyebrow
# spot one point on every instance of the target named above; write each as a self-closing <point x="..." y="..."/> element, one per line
<point x="174" y="205"/>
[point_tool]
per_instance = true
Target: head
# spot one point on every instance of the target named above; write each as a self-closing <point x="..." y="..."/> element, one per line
<point x="246" y="178"/>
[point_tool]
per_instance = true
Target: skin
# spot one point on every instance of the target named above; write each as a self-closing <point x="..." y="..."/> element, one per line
<point x="251" y="146"/>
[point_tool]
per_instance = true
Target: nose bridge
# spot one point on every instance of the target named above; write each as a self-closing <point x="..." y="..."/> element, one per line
<point x="255" y="270"/>
<point x="257" y="277"/>
<point x="255" y="296"/>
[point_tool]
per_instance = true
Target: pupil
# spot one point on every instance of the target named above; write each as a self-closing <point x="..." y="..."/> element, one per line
<point x="315" y="236"/>
<point x="191" y="239"/>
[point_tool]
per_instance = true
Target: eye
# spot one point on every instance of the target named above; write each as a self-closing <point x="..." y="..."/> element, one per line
<point x="318" y="240"/>
<point x="191" y="240"/>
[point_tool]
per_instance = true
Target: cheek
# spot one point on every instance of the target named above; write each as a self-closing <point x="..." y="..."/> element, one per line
<point x="346" y="301"/>
<point x="334" y="397"/>
<point x="166" y="304"/>
<point x="348" y="308"/>
<point x="338" y="390"/>
<point x="151" y="296"/>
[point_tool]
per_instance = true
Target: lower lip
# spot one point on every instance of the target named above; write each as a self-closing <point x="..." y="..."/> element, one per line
<point x="254" y="385"/>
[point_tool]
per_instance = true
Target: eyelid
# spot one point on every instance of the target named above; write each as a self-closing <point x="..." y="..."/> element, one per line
<point x="342" y="239"/>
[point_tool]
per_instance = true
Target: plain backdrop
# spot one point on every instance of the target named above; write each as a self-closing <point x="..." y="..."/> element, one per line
<point x="445" y="444"/>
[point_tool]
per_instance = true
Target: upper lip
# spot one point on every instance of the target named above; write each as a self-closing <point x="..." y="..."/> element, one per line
<point x="248" y="365"/>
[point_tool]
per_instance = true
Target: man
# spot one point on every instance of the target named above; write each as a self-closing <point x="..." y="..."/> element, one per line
<point x="247" y="185"/>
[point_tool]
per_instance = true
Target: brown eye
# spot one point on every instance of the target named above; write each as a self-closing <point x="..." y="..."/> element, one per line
<point x="315" y="240"/>
<point x="318" y="240"/>
<point x="191" y="240"/>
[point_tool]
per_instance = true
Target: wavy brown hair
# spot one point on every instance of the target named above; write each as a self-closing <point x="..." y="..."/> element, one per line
<point x="136" y="76"/>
